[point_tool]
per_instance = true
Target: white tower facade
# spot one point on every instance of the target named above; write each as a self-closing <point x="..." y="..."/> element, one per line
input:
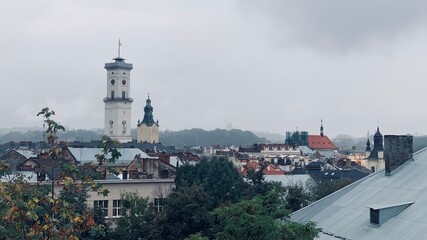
<point x="118" y="104"/>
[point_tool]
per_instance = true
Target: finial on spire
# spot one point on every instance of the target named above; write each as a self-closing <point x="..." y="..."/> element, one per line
<point x="148" y="95"/>
<point x="120" y="45"/>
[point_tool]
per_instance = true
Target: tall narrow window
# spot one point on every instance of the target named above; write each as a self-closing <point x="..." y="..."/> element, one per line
<point x="102" y="205"/>
<point x="159" y="204"/>
<point x="123" y="95"/>
<point x="112" y="95"/>
<point x="117" y="208"/>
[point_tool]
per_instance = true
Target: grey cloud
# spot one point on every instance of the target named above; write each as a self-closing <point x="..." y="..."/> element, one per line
<point x="338" y="24"/>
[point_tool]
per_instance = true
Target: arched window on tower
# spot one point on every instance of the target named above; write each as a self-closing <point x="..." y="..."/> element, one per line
<point x="124" y="126"/>
<point x="373" y="169"/>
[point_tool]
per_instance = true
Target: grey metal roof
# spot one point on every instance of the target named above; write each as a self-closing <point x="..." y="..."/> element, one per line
<point x="306" y="150"/>
<point x="327" y="153"/>
<point x="345" y="213"/>
<point x="87" y="155"/>
<point x="288" y="179"/>
<point x="27" y="153"/>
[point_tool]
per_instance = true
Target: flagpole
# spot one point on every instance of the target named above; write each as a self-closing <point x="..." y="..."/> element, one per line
<point x="119" y="47"/>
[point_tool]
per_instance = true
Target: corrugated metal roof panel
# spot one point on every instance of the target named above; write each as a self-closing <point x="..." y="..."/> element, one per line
<point x="345" y="212"/>
<point x="87" y="155"/>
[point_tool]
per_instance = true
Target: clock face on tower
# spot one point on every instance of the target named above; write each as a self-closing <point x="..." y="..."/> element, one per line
<point x="113" y="81"/>
<point x="124" y="82"/>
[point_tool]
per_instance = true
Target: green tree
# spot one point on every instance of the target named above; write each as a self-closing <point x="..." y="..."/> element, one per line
<point x="320" y="189"/>
<point x="36" y="211"/>
<point x="219" y="178"/>
<point x="262" y="217"/>
<point x="296" y="196"/>
<point x="186" y="212"/>
<point x="133" y="221"/>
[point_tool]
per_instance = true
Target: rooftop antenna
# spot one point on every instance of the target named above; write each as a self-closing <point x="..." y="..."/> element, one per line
<point x="120" y="45"/>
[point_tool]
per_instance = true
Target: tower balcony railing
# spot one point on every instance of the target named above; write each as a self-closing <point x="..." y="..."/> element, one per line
<point x="107" y="99"/>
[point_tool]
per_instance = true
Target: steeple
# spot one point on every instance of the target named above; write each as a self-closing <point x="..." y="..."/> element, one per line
<point x="321" y="127"/>
<point x="148" y="113"/>
<point x="368" y="143"/>
<point x="148" y="129"/>
<point x="378" y="140"/>
<point x="368" y="146"/>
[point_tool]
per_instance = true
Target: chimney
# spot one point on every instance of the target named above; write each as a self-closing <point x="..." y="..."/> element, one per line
<point x="397" y="150"/>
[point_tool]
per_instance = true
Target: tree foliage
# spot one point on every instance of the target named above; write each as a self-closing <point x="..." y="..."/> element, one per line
<point x="262" y="217"/>
<point x="218" y="177"/>
<point x="320" y="189"/>
<point x="35" y="211"/>
<point x="109" y="154"/>
<point x="297" y="196"/>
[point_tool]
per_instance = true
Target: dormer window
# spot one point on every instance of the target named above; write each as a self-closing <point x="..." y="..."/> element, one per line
<point x="381" y="213"/>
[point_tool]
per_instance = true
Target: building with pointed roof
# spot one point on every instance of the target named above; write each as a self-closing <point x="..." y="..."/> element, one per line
<point x="148" y="129"/>
<point x="375" y="157"/>
<point x="320" y="142"/>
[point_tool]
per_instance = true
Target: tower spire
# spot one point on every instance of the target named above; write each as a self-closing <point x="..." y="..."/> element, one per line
<point x="321" y="127"/>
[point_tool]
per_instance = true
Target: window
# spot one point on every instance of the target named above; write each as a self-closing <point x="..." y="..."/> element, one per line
<point x="164" y="173"/>
<point x="117" y="208"/>
<point x="159" y="204"/>
<point x="375" y="216"/>
<point x="112" y="95"/>
<point x="103" y="205"/>
<point x="123" y="95"/>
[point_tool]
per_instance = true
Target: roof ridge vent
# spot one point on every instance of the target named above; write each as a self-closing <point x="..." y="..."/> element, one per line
<point x="381" y="213"/>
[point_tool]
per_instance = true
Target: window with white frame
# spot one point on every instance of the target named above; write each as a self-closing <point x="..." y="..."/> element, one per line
<point x="117" y="208"/>
<point x="159" y="204"/>
<point x="103" y="205"/>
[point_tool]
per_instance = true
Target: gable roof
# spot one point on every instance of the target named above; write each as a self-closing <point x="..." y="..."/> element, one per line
<point x="345" y="214"/>
<point x="320" y="142"/>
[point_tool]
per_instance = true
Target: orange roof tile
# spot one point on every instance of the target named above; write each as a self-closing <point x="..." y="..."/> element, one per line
<point x="319" y="142"/>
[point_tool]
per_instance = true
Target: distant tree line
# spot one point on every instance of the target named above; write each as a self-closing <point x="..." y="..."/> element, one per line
<point x="38" y="135"/>
<point x="200" y="137"/>
<point x="191" y="137"/>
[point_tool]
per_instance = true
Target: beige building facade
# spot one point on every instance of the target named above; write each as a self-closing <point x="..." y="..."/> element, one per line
<point x="155" y="189"/>
<point x="148" y="129"/>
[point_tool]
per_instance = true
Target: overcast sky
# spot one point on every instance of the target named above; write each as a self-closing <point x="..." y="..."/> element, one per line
<point x="261" y="65"/>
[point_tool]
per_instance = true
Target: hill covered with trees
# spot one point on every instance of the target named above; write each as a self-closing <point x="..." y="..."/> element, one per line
<point x="202" y="137"/>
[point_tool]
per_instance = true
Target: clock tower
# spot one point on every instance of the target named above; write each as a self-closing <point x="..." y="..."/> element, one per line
<point x="118" y="104"/>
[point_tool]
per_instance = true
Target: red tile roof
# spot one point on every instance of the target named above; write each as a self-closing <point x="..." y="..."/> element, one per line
<point x="270" y="170"/>
<point x="320" y="142"/>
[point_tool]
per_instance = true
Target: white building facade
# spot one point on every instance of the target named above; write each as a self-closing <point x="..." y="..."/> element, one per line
<point x="118" y="103"/>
